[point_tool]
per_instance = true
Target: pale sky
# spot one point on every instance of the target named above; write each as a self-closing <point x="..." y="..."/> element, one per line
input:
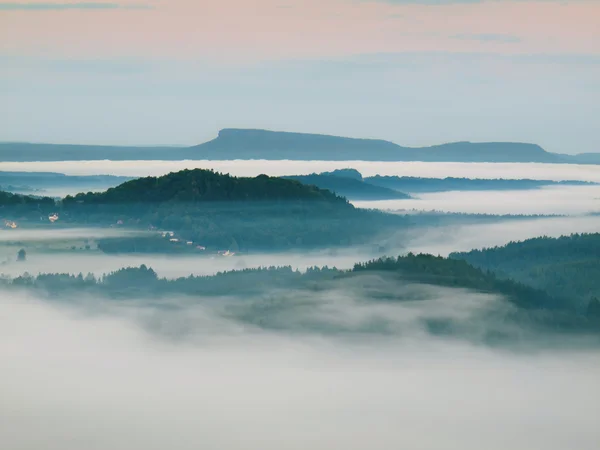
<point x="417" y="72"/>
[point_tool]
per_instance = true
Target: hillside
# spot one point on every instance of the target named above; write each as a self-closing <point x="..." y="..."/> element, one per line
<point x="263" y="144"/>
<point x="200" y="185"/>
<point x="9" y="199"/>
<point x="224" y="212"/>
<point x="279" y="296"/>
<point x="569" y="265"/>
<point x="351" y="188"/>
<point x="32" y="182"/>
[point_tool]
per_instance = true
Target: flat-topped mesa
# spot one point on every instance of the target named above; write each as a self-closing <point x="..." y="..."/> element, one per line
<point x="235" y="143"/>
<point x="248" y="144"/>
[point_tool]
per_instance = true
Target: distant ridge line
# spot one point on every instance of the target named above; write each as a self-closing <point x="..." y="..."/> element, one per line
<point x="256" y="144"/>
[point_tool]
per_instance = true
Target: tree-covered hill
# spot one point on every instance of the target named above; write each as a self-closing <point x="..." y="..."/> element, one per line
<point x="271" y="293"/>
<point x="200" y="185"/>
<point x="13" y="206"/>
<point x="9" y="199"/>
<point x="351" y="188"/>
<point x="569" y="265"/>
<point x="220" y="211"/>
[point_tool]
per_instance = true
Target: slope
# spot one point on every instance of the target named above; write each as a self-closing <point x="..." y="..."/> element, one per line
<point x="569" y="265"/>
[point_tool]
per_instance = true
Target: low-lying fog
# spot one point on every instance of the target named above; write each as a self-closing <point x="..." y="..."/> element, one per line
<point x="60" y="233"/>
<point x="436" y="240"/>
<point x="128" y="377"/>
<point x="536" y="171"/>
<point x="563" y="200"/>
<point x="445" y="240"/>
<point x="177" y="266"/>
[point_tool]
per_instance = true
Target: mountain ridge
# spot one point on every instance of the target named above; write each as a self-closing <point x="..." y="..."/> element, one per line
<point x="246" y="144"/>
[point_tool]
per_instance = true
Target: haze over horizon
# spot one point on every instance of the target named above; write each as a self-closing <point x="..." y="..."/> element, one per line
<point x="415" y="72"/>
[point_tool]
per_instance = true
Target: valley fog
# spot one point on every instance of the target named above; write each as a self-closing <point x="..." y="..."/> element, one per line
<point x="536" y="171"/>
<point x="106" y="376"/>
<point x="551" y="200"/>
<point x="436" y="240"/>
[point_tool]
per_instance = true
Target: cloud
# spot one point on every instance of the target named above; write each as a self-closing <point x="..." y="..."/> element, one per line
<point x="64" y="6"/>
<point x="491" y="37"/>
<point x="189" y="378"/>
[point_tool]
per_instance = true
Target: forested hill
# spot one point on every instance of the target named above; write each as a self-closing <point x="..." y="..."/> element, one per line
<point x="219" y="211"/>
<point x="390" y="280"/>
<point x="351" y="188"/>
<point x="8" y="199"/>
<point x="200" y="185"/>
<point x="569" y="265"/>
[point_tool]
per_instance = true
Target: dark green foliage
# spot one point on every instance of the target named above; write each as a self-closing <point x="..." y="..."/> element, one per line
<point x="206" y="186"/>
<point x="566" y="266"/>
<point x="441" y="271"/>
<point x="8" y="199"/>
<point x="218" y="211"/>
<point x="24" y="207"/>
<point x="262" y="295"/>
<point x="351" y="188"/>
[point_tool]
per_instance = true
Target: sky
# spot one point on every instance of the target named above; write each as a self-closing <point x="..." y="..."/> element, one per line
<point x="416" y="72"/>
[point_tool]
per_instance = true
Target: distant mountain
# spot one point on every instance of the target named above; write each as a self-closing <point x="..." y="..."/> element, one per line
<point x="19" y="151"/>
<point x="422" y="185"/>
<point x="26" y="182"/>
<point x="271" y="145"/>
<point x="349" y="183"/>
<point x="262" y="144"/>
<point x="345" y="173"/>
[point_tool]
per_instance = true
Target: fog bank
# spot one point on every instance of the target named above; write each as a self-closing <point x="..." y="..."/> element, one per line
<point x="436" y="240"/>
<point x="74" y="379"/>
<point x="445" y="240"/>
<point x="563" y="200"/>
<point x="536" y="171"/>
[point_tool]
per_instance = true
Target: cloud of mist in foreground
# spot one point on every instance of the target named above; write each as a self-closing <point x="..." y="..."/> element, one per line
<point x="535" y="171"/>
<point x="73" y="378"/>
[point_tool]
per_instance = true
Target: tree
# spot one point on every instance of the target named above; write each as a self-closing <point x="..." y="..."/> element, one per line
<point x="22" y="255"/>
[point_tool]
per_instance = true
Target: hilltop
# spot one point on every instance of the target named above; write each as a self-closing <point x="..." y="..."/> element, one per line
<point x="405" y="280"/>
<point x="234" y="143"/>
<point x="350" y="184"/>
<point x="219" y="211"/>
<point x="201" y="185"/>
